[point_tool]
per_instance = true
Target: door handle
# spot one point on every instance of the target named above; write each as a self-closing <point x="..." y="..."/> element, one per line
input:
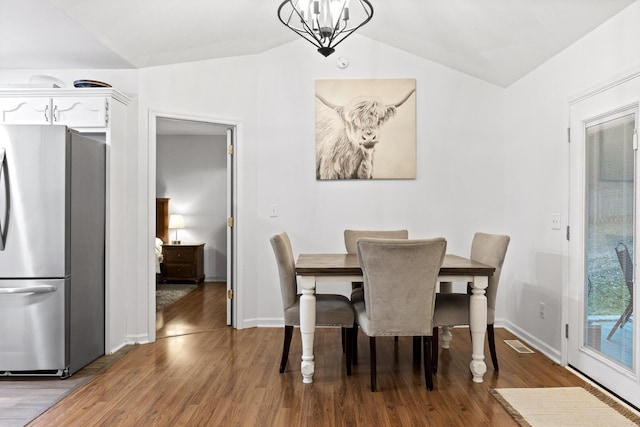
<point x="4" y="219"/>
<point x="41" y="289"/>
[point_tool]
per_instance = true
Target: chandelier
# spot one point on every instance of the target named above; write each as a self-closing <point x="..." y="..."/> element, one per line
<point x="324" y="23"/>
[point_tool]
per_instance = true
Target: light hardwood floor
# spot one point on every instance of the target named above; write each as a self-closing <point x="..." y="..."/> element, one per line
<point x="203" y="373"/>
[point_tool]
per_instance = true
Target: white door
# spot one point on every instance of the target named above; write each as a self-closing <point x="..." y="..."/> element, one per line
<point x="230" y="225"/>
<point x="602" y="333"/>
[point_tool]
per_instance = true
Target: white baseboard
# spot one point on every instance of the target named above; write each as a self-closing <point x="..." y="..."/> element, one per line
<point x="532" y="341"/>
<point x="137" y="339"/>
<point x="116" y="349"/>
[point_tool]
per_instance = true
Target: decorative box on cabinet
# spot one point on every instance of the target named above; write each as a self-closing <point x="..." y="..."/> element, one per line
<point x="183" y="262"/>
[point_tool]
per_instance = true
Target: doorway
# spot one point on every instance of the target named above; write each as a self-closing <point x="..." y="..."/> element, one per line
<point x="602" y="335"/>
<point x="194" y="157"/>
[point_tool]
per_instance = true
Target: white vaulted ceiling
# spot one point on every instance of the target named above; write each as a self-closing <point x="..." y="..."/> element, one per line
<point x="496" y="40"/>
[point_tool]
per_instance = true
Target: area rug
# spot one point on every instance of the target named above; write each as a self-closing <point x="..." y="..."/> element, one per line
<point x="168" y="293"/>
<point x="564" y="406"/>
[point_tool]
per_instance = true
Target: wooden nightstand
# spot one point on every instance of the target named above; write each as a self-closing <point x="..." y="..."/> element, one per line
<point x="183" y="262"/>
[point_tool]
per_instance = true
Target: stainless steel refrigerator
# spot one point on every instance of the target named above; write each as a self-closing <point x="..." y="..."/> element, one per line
<point x="52" y="248"/>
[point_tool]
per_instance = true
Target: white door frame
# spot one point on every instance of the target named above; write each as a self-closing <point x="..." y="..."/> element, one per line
<point x="611" y="103"/>
<point x="154" y="115"/>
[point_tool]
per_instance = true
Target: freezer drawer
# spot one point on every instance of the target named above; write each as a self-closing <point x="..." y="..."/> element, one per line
<point x="33" y="327"/>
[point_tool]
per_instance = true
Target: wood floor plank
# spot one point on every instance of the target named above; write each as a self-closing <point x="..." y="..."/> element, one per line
<point x="202" y="373"/>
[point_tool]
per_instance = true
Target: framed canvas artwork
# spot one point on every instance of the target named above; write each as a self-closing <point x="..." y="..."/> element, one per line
<point x="365" y="129"/>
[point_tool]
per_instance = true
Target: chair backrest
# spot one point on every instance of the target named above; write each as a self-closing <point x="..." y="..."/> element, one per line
<point x="624" y="258"/>
<point x="400" y="278"/>
<point x="351" y="237"/>
<point x="286" y="268"/>
<point x="490" y="249"/>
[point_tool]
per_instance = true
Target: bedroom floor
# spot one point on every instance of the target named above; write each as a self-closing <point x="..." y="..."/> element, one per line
<point x="202" y="309"/>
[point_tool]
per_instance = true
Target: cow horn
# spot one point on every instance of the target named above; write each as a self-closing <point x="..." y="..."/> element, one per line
<point x="327" y="103"/>
<point x="404" y="99"/>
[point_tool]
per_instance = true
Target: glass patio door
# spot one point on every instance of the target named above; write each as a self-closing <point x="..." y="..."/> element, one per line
<point x="602" y="334"/>
<point x="609" y="232"/>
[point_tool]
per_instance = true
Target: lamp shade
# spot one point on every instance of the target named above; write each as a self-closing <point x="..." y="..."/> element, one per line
<point x="176" y="221"/>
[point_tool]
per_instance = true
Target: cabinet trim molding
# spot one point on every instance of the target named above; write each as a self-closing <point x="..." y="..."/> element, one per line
<point x="55" y="92"/>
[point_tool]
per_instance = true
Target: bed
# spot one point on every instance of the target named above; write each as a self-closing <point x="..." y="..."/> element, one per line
<point x="159" y="258"/>
<point x="162" y="229"/>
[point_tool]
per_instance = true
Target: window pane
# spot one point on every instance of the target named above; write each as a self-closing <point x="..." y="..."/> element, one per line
<point x="610" y="237"/>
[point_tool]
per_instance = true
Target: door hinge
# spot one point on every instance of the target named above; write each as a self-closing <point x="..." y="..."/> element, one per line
<point x="566" y="331"/>
<point x="569" y="135"/>
<point x="635" y="139"/>
<point x="230" y="150"/>
<point x="229" y="293"/>
<point x="230" y="221"/>
<point x="568" y="233"/>
<point x="106" y="112"/>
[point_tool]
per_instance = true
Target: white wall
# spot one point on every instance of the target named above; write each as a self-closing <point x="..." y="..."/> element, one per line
<point x="488" y="159"/>
<point x="192" y="173"/>
<point x="537" y="177"/>
<point x="461" y="165"/>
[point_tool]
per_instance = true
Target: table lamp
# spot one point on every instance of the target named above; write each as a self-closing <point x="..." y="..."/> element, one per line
<point x="176" y="222"/>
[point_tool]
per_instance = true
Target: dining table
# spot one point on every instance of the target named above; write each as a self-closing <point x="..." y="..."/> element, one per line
<point x="314" y="269"/>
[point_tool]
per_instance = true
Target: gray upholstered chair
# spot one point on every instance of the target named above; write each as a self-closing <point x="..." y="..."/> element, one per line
<point x="331" y="310"/>
<point x="400" y="278"/>
<point x="453" y="308"/>
<point x="350" y="241"/>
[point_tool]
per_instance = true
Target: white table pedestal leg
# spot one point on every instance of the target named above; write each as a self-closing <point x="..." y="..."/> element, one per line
<point x="307" y="326"/>
<point x="446" y="288"/>
<point x="446" y="336"/>
<point x="478" y="325"/>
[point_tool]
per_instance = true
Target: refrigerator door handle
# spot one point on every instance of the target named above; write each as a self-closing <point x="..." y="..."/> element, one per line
<point x="4" y="217"/>
<point x="29" y="290"/>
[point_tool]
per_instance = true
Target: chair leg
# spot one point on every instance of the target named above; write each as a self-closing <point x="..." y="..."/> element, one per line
<point x="349" y="344"/>
<point x="492" y="346"/>
<point x="354" y="347"/>
<point x="622" y="320"/>
<point x="435" y="349"/>
<point x="288" y="334"/>
<point x="417" y="355"/>
<point x="428" y="377"/>
<point x="372" y="351"/>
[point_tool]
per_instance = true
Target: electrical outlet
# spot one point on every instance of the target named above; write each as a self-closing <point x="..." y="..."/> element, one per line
<point x="556" y="220"/>
<point x="541" y="310"/>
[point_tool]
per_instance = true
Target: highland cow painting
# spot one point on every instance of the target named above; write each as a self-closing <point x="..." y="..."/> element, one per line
<point x="365" y="129"/>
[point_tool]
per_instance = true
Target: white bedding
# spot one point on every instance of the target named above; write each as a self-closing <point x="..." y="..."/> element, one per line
<point x="158" y="254"/>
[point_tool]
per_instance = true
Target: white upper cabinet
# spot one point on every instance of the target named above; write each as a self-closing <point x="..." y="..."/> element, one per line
<point x="80" y="111"/>
<point x="77" y="108"/>
<point x="71" y="111"/>
<point x="21" y="111"/>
